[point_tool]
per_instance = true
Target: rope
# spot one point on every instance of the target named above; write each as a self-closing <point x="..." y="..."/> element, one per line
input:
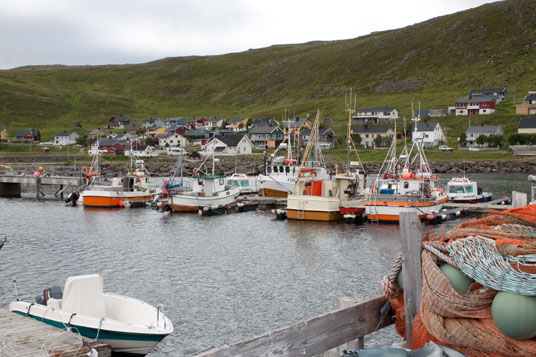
<point x="479" y="259"/>
<point x="440" y="251"/>
<point x="388" y="282"/>
<point x="98" y="331"/>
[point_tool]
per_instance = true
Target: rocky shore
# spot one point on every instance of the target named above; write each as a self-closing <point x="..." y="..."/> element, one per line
<point x="162" y="167"/>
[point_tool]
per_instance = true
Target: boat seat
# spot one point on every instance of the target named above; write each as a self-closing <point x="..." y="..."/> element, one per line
<point x="84" y="295"/>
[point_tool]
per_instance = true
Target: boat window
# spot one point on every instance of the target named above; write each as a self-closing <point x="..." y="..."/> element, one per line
<point x="269" y="169"/>
<point x="200" y="182"/>
<point x="287" y="169"/>
<point x="406" y="184"/>
<point x="456" y="189"/>
<point x="469" y="189"/>
<point x="244" y="183"/>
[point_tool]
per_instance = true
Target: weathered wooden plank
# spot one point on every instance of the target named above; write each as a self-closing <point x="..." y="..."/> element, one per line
<point x="350" y="345"/>
<point x="313" y="336"/>
<point x="411" y="233"/>
<point x="519" y="199"/>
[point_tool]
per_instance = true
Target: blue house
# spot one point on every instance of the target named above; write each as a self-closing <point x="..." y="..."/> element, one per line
<point x="174" y="122"/>
<point x="499" y="94"/>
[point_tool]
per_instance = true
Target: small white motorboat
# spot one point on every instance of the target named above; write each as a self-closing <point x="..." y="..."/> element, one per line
<point x="464" y="190"/>
<point x="127" y="325"/>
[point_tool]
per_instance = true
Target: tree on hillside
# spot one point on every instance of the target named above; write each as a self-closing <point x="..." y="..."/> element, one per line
<point x="224" y="124"/>
<point x="82" y="140"/>
<point x="481" y="140"/>
<point x="149" y="141"/>
<point x="463" y="139"/>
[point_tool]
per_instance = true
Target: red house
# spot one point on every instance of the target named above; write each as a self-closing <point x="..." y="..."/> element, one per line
<point x="475" y="106"/>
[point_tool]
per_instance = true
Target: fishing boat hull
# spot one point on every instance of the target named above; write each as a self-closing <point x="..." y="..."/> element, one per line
<point x="387" y="208"/>
<point x="267" y="192"/>
<point x="275" y="187"/>
<point x="313" y="208"/>
<point x="191" y="202"/>
<point x="485" y="197"/>
<point x="106" y="199"/>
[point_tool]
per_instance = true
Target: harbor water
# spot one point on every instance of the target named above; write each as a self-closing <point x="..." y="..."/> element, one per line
<point x="221" y="279"/>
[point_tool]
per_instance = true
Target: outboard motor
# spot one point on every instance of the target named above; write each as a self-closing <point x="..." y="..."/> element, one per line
<point x="72" y="198"/>
<point x="53" y="292"/>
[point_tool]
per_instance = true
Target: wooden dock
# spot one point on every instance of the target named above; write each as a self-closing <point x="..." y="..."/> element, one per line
<point x="23" y="336"/>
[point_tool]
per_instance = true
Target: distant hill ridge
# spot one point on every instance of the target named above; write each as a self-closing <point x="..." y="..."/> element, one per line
<point x="434" y="62"/>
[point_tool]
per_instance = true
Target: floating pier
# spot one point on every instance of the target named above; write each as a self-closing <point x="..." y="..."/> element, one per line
<point x="23" y="336"/>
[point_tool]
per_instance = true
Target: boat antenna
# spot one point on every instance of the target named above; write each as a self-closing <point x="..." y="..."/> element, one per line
<point x="350" y="145"/>
<point x="15" y="285"/>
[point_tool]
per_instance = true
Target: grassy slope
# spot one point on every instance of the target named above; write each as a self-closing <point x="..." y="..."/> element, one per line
<point x="434" y="62"/>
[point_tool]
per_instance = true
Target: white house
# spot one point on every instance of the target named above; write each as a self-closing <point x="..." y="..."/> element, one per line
<point x="229" y="144"/>
<point x="369" y="133"/>
<point x="473" y="132"/>
<point x="65" y="138"/>
<point x="379" y="115"/>
<point x="173" y="140"/>
<point x="214" y="123"/>
<point x="430" y="133"/>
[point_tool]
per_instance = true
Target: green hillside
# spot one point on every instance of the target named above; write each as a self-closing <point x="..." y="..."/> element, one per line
<point x="434" y="62"/>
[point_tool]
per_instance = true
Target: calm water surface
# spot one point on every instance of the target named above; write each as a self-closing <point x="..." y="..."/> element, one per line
<point x="221" y="279"/>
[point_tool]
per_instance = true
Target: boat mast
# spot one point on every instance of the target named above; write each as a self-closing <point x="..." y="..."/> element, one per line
<point x="350" y="145"/>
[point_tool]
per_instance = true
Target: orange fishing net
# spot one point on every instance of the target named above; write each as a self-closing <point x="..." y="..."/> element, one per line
<point x="463" y="321"/>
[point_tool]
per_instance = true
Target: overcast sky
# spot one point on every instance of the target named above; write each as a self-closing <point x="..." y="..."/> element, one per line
<point x="78" y="32"/>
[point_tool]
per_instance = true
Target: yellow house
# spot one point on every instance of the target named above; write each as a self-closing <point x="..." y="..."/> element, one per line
<point x="238" y="124"/>
<point x="297" y="125"/>
<point x="161" y="130"/>
<point x="3" y="133"/>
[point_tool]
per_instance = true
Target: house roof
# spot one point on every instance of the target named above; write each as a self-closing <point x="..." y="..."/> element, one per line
<point x="120" y="118"/>
<point x="34" y="132"/>
<point x="423" y="112"/>
<point x="229" y="140"/>
<point x="94" y="132"/>
<point x="257" y="129"/>
<point x="64" y="133"/>
<point x="371" y="129"/>
<point x="428" y="126"/>
<point x="474" y="100"/>
<point x="483" y="129"/>
<point x="378" y="109"/>
<point x="298" y="122"/>
<point x="107" y="142"/>
<point x="487" y="90"/>
<point x="530" y="97"/>
<point x="197" y="132"/>
<point x="215" y="120"/>
<point x="237" y="120"/>
<point x="525" y="123"/>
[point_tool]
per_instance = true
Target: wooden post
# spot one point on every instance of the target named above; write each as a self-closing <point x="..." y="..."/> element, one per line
<point x="411" y="232"/>
<point x="358" y="343"/>
<point x="37" y="188"/>
<point x="519" y="199"/>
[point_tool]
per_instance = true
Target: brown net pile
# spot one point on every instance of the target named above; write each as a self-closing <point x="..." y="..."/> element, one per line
<point x="464" y="321"/>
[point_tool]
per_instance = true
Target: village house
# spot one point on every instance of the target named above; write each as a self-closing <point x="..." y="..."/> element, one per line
<point x="528" y="106"/>
<point x="174" y="122"/>
<point x="177" y="130"/>
<point x="294" y="126"/>
<point x="159" y="130"/>
<point x="65" y="138"/>
<point x="238" y="124"/>
<point x="326" y="138"/>
<point x="230" y="145"/>
<point x="499" y="94"/>
<point x="369" y="133"/>
<point x="173" y="140"/>
<point x="92" y="135"/>
<point x="24" y="136"/>
<point x="133" y="129"/>
<point x="380" y="115"/>
<point x="473" y="132"/>
<point x="198" y="136"/>
<point x="3" y="133"/>
<point x="118" y="122"/>
<point x="264" y="137"/>
<point x="430" y="133"/>
<point x="526" y="126"/>
<point x="433" y="113"/>
<point x="263" y="122"/>
<point x="110" y="146"/>
<point x="475" y="106"/>
<point x="152" y="123"/>
<point x="214" y="123"/>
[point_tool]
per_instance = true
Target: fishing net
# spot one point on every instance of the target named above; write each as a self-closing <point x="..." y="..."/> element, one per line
<point x="499" y="253"/>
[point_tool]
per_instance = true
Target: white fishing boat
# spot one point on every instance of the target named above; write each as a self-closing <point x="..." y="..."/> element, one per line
<point x="126" y="324"/>
<point x="281" y="174"/>
<point x="248" y="185"/>
<point x="207" y="191"/>
<point x="464" y="190"/>
<point x="404" y="185"/>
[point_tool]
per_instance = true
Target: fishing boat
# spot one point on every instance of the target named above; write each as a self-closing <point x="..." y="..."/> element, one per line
<point x="281" y="173"/>
<point x="133" y="186"/>
<point x="404" y="184"/>
<point x="464" y="190"/>
<point x="207" y="191"/>
<point x="248" y="184"/>
<point x="351" y="183"/>
<point x="126" y="324"/>
<point x="313" y="197"/>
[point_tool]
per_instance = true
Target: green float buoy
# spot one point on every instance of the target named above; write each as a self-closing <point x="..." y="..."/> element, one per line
<point x="459" y="281"/>
<point x="399" y="280"/>
<point x="515" y="314"/>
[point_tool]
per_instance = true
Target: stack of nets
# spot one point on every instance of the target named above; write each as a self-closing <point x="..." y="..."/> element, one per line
<point x="499" y="253"/>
